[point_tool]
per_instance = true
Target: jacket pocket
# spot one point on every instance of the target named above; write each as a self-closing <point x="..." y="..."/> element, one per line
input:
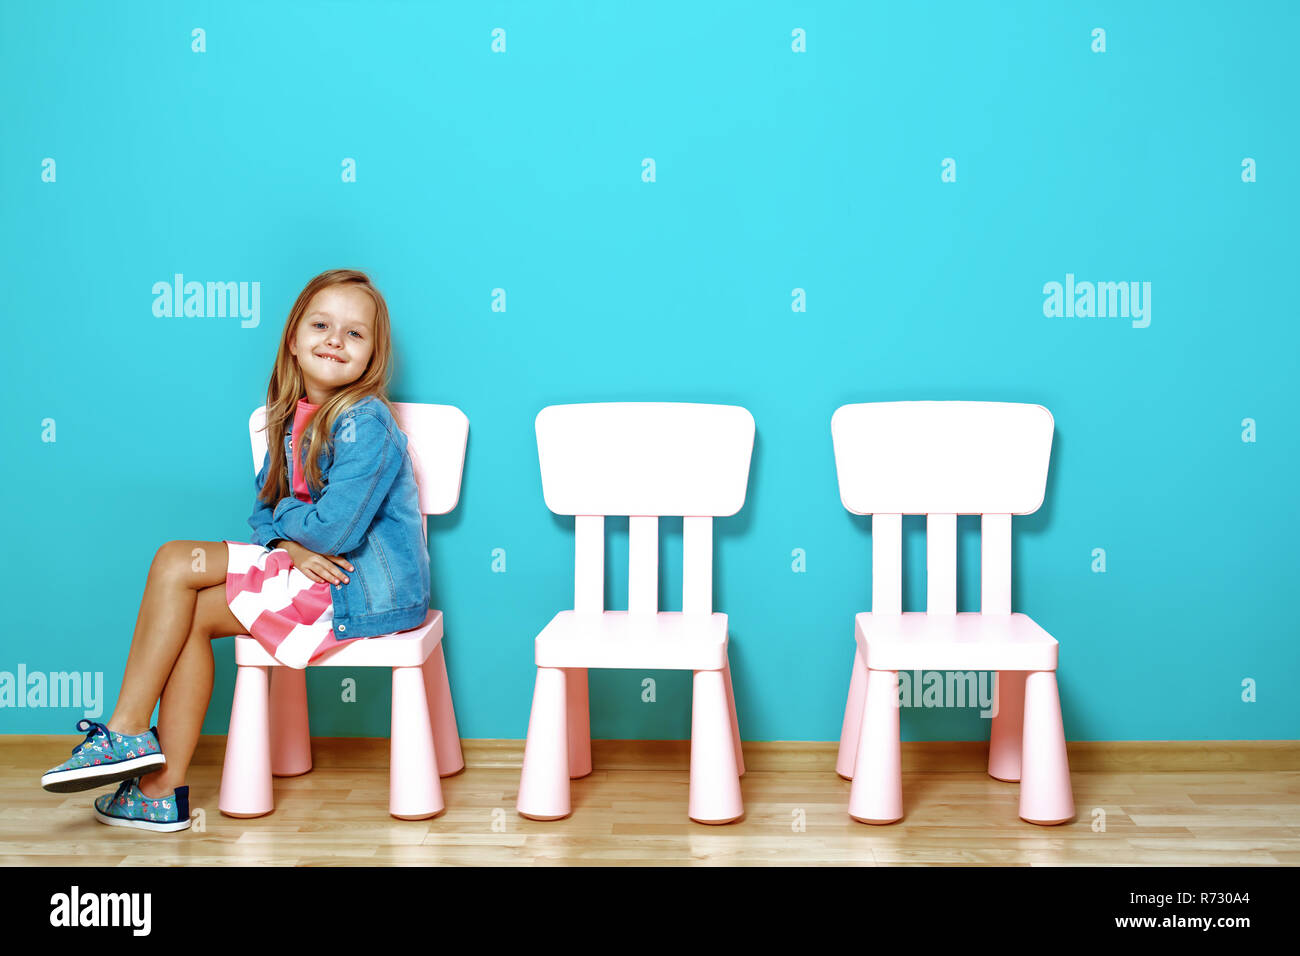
<point x="374" y="574"/>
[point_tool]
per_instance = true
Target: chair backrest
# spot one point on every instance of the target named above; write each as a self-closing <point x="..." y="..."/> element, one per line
<point x="644" y="460"/>
<point x="436" y="436"/>
<point x="941" y="459"/>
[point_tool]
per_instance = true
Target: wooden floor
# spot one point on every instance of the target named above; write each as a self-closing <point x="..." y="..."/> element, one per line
<point x="632" y="810"/>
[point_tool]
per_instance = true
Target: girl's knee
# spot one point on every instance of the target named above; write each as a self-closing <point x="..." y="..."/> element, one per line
<point x="179" y="559"/>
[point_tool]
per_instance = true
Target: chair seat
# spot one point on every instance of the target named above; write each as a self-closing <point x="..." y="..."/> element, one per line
<point x="915" y="640"/>
<point x="400" y="649"/>
<point x="667" y="640"/>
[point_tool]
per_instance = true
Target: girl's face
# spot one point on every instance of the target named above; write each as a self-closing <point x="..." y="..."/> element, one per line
<point x="334" y="340"/>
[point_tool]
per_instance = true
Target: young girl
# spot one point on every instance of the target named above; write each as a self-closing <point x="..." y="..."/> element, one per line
<point x="337" y="554"/>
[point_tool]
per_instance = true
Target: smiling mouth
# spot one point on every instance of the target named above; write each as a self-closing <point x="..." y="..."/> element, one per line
<point x="331" y="358"/>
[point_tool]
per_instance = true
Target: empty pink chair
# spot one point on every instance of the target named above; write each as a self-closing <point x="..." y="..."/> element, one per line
<point x="644" y="460"/>
<point x="942" y="459"/>
<point x="268" y="726"/>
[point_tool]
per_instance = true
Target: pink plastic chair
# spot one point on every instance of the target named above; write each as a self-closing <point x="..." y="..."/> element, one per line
<point x="644" y="460"/>
<point x="942" y="459"/>
<point x="269" y="732"/>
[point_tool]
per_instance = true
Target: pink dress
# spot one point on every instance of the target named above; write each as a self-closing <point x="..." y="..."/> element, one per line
<point x="287" y="612"/>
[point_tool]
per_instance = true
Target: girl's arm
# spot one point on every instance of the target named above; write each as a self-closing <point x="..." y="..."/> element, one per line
<point x="261" y="518"/>
<point x="360" y="477"/>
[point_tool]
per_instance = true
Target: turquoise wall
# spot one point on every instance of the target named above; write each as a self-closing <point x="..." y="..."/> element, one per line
<point x="775" y="169"/>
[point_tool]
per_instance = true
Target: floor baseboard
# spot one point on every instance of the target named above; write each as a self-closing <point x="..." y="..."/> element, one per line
<point x="1171" y="756"/>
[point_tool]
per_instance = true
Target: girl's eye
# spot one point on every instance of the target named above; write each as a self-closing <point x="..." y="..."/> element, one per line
<point x="319" y="324"/>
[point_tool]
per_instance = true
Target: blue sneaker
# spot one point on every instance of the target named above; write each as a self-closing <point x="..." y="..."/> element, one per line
<point x="105" y="756"/>
<point x="128" y="807"/>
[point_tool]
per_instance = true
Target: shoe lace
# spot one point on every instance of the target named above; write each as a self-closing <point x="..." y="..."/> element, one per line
<point x="92" y="729"/>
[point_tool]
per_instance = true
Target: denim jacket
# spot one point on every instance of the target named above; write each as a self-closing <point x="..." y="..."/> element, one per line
<point x="368" y="511"/>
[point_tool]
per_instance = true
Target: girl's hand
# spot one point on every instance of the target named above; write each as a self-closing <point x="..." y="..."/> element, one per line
<point x="323" y="568"/>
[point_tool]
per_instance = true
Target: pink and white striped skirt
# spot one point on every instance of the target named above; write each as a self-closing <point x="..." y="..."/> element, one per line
<point x="287" y="612"/>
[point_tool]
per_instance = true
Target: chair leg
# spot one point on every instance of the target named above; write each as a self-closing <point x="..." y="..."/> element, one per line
<point x="735" y="724"/>
<point x="848" y="753"/>
<point x="446" y="736"/>
<point x="1045" y="796"/>
<point x="1005" y="735"/>
<point x="877" y="792"/>
<point x="246" y="772"/>
<point x="544" y="780"/>
<point x="414" y="791"/>
<point x="290" y="733"/>
<point x="715" y="780"/>
<point x="579" y="713"/>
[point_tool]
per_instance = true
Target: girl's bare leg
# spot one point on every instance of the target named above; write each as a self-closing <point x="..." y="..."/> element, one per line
<point x="183" y="609"/>
<point x="179" y="570"/>
<point x="188" y="690"/>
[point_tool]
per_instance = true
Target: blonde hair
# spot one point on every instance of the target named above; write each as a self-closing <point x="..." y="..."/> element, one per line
<point x="287" y="387"/>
